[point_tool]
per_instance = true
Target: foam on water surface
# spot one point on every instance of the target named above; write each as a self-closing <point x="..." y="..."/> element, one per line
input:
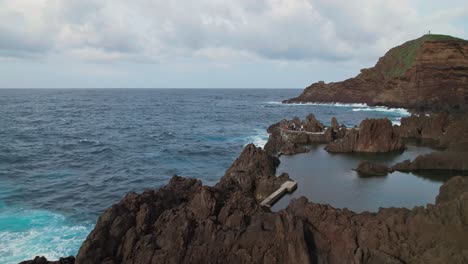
<point x="25" y="234"/>
<point x="318" y="104"/>
<point x="396" y="111"/>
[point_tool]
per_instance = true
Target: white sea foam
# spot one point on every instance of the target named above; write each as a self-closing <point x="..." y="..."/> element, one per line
<point x="318" y="104"/>
<point x="29" y="233"/>
<point x="399" y="111"/>
<point x="396" y="122"/>
<point x="259" y="139"/>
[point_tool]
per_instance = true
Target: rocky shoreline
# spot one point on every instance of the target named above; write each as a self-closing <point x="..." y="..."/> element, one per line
<point x="186" y="222"/>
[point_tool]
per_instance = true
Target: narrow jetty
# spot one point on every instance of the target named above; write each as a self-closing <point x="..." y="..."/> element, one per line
<point x="288" y="186"/>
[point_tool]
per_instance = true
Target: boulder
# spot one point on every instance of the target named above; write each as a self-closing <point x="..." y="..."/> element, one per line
<point x="373" y="135"/>
<point x="368" y="169"/>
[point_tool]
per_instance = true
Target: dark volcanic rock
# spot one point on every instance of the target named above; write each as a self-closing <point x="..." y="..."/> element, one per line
<point x="444" y="160"/>
<point x="185" y="222"/>
<point x="424" y="126"/>
<point x="288" y="133"/>
<point x="430" y="72"/>
<point x="43" y="260"/>
<point x="334" y="124"/>
<point x="434" y="234"/>
<point x="366" y="169"/>
<point x="253" y="172"/>
<point x="374" y="135"/>
<point x="311" y="124"/>
<point x="292" y="148"/>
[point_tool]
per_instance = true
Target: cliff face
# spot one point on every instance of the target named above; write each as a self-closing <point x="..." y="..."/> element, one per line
<point x="429" y="72"/>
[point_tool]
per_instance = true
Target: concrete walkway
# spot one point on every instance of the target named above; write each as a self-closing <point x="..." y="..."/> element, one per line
<point x="288" y="186"/>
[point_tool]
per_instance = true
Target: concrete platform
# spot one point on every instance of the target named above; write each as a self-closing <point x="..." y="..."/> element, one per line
<point x="288" y="186"/>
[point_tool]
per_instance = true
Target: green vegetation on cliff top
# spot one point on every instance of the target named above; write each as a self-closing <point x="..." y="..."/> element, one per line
<point x="405" y="54"/>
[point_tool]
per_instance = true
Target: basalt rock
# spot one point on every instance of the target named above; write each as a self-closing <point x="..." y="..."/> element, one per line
<point x="289" y="133"/>
<point x="334" y="124"/>
<point x="426" y="73"/>
<point x="292" y="148"/>
<point x="451" y="160"/>
<point x="373" y="135"/>
<point x="424" y="126"/>
<point x="433" y="234"/>
<point x="369" y="169"/>
<point x="43" y="260"/>
<point x="311" y="124"/>
<point x="185" y="222"/>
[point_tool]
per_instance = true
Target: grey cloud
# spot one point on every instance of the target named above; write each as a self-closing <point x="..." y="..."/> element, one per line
<point x="328" y="30"/>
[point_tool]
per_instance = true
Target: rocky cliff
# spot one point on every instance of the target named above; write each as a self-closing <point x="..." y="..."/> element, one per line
<point x="430" y="72"/>
<point x="186" y="222"/>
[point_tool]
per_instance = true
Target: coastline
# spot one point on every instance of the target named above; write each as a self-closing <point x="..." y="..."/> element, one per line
<point x="231" y="209"/>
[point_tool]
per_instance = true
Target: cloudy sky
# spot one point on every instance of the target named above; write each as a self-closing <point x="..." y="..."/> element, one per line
<point x="207" y="43"/>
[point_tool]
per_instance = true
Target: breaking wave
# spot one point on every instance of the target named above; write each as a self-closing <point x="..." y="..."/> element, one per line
<point x="318" y="104"/>
<point x="396" y="111"/>
<point x="25" y="234"/>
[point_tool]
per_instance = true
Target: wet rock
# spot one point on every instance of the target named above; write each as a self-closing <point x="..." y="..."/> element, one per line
<point x="369" y="169"/>
<point x="43" y="260"/>
<point x="373" y="135"/>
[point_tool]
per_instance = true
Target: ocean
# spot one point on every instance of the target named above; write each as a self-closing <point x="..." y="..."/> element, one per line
<point x="68" y="154"/>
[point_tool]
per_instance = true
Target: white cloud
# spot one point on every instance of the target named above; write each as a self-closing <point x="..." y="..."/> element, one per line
<point x="165" y="30"/>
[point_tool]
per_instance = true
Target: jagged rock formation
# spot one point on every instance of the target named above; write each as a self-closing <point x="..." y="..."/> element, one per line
<point x="43" y="260"/>
<point x="424" y="126"/>
<point x="185" y="222"/>
<point x="373" y="135"/>
<point x="429" y="72"/>
<point x="286" y="138"/>
<point x="369" y="169"/>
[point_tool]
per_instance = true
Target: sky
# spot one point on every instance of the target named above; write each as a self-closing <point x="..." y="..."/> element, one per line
<point x="207" y="43"/>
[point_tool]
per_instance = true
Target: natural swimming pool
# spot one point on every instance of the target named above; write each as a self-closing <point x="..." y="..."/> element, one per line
<point x="328" y="178"/>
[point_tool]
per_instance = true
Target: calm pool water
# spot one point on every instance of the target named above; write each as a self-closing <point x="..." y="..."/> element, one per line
<point x="328" y="178"/>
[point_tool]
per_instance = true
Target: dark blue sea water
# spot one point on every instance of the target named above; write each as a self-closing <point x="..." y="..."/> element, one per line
<point x="66" y="155"/>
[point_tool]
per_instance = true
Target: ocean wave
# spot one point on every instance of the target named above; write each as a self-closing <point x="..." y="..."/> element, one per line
<point x="88" y="141"/>
<point x="25" y="234"/>
<point x="259" y="139"/>
<point x="399" y="111"/>
<point x="318" y="104"/>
